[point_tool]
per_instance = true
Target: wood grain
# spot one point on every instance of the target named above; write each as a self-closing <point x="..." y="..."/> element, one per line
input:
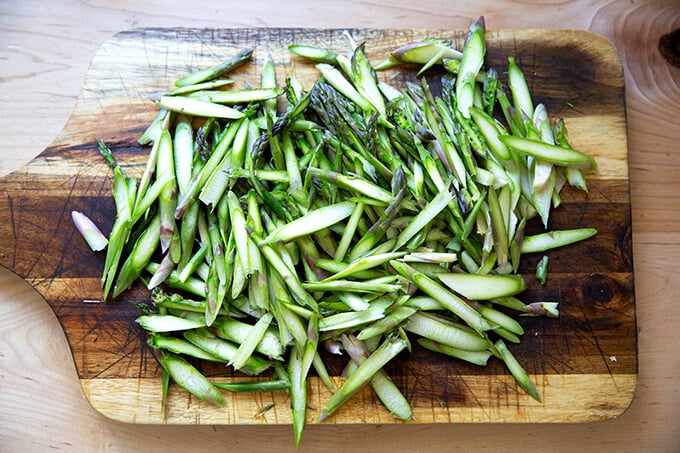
<point x="48" y="47"/>
<point x="577" y="75"/>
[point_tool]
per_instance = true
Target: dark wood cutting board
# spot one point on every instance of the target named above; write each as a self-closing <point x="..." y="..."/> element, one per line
<point x="584" y="363"/>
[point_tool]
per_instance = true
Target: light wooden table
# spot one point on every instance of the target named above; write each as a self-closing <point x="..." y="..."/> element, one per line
<point x="45" y="49"/>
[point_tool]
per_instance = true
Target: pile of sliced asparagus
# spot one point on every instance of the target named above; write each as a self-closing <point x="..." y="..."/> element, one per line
<point x="357" y="217"/>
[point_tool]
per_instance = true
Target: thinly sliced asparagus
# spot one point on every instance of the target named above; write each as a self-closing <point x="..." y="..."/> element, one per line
<point x="363" y="211"/>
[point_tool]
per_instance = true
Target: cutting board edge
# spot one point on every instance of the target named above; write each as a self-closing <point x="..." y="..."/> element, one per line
<point x="604" y="397"/>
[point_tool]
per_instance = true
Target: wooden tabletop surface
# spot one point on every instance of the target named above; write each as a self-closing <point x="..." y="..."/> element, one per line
<point x="45" y="49"/>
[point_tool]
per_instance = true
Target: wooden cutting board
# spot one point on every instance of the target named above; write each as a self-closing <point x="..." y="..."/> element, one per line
<point x="584" y="363"/>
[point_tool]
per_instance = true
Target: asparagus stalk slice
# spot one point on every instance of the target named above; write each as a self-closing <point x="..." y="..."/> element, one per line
<point x="254" y="386"/>
<point x="491" y="133"/>
<point x="341" y="321"/>
<point x="210" y="85"/>
<point x="221" y="178"/>
<point x="212" y="163"/>
<point x="238" y="225"/>
<point x="216" y="71"/>
<point x="165" y="268"/>
<point x="382" y="385"/>
<point x="167" y="323"/>
<point x="542" y="269"/>
<point x="183" y="152"/>
<point x="363" y="76"/>
<point x="91" y="233"/>
<point x="502" y="320"/>
<point x="239" y="96"/>
<point x="298" y="393"/>
<point x="470" y="64"/>
<point x="516" y="370"/>
<point x="424" y="217"/>
<point x="247" y="347"/>
<point x="311" y="222"/>
<point x="550" y="153"/>
<point x="548" y="309"/>
<point x="340" y="83"/>
<point x="352" y="183"/>
<point x="268" y="82"/>
<point x="483" y="287"/>
<point x="427" y="53"/>
<point x="180" y="346"/>
<point x="152" y="131"/>
<point x="314" y="53"/>
<point x="389" y="349"/>
<point x="140" y="256"/>
<point x="499" y="230"/>
<point x="224" y="350"/>
<point x="198" y="107"/>
<point x="189" y="378"/>
<point x="195" y="286"/>
<point x="363" y="264"/>
<point x="389" y="322"/>
<point x="349" y="232"/>
<point x="176" y="301"/>
<point x="351" y="285"/>
<point x="167" y="199"/>
<point x="519" y="89"/>
<point x="435" y="329"/>
<point x="574" y="175"/>
<point x="289" y="277"/>
<point x="449" y="300"/>
<point x="553" y="239"/>
<point x="477" y="357"/>
<point x="267" y="344"/>
<point x="124" y="196"/>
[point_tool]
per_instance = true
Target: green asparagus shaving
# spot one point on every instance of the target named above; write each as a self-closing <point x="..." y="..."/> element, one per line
<point x="198" y="107"/>
<point x="189" y="378"/>
<point x="167" y="323"/>
<point x="483" y="287"/>
<point x="311" y="222"/>
<point x="427" y="53"/>
<point x="250" y="342"/>
<point x="389" y="349"/>
<point x="436" y="329"/>
<point x="265" y="340"/>
<point x="516" y="369"/>
<point x="338" y="80"/>
<point x="217" y="71"/>
<point x="557" y="155"/>
<point x="424" y="217"/>
<point x="477" y="357"/>
<point x="470" y="64"/>
<point x="449" y="300"/>
<point x="391" y="397"/>
<point x="545" y="241"/>
<point x="225" y="350"/>
<point x="298" y="393"/>
<point x="239" y="96"/>
<point x="254" y="386"/>
<point x="180" y="346"/>
<point x="313" y="53"/>
<point x="520" y="91"/>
